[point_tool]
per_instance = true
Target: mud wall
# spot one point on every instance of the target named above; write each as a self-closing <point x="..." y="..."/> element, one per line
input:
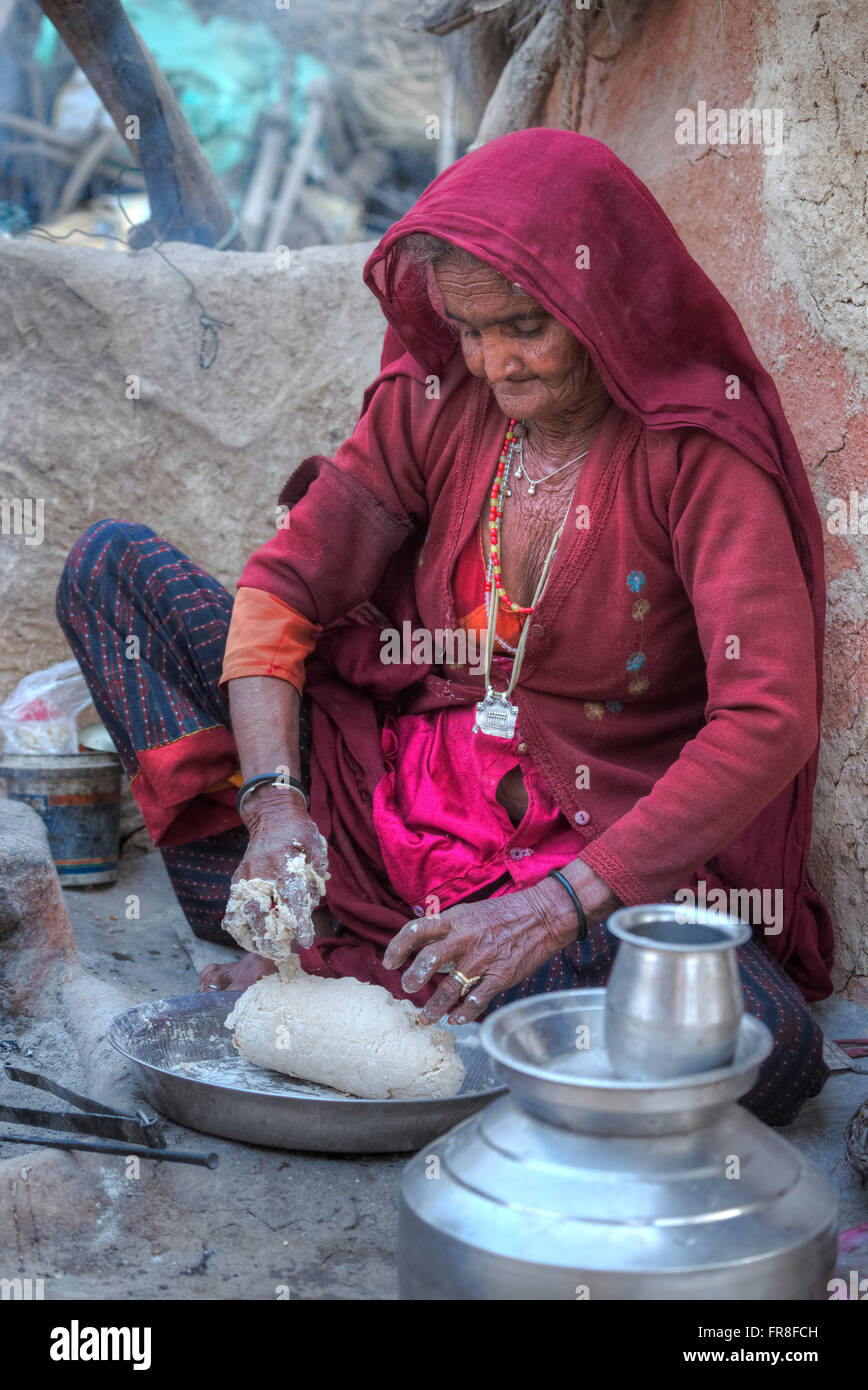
<point x="784" y="237"/>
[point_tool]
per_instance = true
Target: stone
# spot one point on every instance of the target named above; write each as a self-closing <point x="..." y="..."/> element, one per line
<point x="105" y="410"/>
<point x="41" y="977"/>
<point x="35" y="930"/>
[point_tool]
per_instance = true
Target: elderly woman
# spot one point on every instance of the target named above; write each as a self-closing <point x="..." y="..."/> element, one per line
<point x="573" y="460"/>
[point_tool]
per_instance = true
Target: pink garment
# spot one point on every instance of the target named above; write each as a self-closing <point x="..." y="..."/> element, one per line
<point x="441" y="830"/>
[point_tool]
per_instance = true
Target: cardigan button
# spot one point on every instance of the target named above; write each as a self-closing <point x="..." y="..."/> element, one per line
<point x="582" y="817"/>
<point x="522" y="748"/>
<point x="537" y="630"/>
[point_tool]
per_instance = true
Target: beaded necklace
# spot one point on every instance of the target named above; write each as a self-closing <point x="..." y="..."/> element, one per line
<point x="515" y="434"/>
<point x="495" y="714"/>
<point x="495" y="512"/>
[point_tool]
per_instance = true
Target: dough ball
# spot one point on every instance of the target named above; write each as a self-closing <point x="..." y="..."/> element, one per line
<point x="354" y="1037"/>
<point x="263" y="922"/>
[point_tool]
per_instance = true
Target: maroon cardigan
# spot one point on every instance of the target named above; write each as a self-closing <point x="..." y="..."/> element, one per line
<point x="629" y="670"/>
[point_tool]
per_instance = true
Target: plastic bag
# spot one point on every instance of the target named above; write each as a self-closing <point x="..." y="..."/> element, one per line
<point x="40" y="714"/>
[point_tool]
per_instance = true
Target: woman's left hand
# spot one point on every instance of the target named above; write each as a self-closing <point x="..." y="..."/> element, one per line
<point x="503" y="940"/>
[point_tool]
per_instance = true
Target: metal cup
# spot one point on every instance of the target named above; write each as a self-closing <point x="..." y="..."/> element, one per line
<point x="674" y="1000"/>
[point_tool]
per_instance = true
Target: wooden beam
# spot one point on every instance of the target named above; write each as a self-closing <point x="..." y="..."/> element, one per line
<point x="187" y="202"/>
<point x="296" y="170"/>
<point x="525" y="81"/>
<point x="27" y="126"/>
<point x="260" y="189"/>
<point x="84" y="169"/>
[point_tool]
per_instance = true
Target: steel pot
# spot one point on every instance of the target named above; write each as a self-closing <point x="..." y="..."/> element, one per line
<point x="674" y="1000"/>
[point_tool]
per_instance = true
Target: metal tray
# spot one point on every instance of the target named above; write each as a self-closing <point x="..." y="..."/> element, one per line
<point x="190" y="1071"/>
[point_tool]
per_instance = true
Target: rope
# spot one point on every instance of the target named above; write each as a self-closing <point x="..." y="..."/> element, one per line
<point x="209" y="327"/>
<point x="574" y="67"/>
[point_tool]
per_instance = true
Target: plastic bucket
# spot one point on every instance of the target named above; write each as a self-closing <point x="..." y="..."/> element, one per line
<point x="78" y="797"/>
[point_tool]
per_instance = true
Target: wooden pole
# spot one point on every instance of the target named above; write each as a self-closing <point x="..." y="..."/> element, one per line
<point x="187" y="202"/>
<point x="447" y="149"/>
<point x="85" y="167"/>
<point x="296" y="170"/>
<point x="260" y="190"/>
<point x="525" y="81"/>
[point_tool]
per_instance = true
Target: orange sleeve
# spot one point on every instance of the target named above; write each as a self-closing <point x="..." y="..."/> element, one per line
<point x="267" y="638"/>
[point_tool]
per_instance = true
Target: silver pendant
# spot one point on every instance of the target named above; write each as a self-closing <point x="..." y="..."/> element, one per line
<point x="496" y="716"/>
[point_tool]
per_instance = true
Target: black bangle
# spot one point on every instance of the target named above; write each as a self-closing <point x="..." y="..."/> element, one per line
<point x="580" y="911"/>
<point x="275" y="779"/>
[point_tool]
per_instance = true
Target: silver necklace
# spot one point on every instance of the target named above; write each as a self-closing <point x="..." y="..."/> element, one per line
<point x="534" y="483"/>
<point x="496" y="715"/>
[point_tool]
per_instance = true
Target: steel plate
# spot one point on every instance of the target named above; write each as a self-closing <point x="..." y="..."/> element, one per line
<point x="190" y="1071"/>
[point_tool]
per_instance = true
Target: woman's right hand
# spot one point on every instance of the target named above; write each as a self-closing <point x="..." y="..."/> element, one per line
<point x="280" y="827"/>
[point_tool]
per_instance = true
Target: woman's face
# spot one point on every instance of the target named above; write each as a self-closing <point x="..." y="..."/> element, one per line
<point x="535" y="367"/>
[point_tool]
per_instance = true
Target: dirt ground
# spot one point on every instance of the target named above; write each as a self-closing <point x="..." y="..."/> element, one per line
<point x="265" y="1224"/>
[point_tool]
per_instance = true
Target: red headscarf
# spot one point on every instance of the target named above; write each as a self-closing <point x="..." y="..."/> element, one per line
<point x="562" y="216"/>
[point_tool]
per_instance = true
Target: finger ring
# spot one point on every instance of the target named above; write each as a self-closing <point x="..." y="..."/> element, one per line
<point x="213" y="986"/>
<point x="465" y="983"/>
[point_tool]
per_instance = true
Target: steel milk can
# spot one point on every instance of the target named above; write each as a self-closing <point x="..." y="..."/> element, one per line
<point x="581" y="1183"/>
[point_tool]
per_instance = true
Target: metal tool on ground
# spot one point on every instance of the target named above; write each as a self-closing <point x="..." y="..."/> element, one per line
<point x="111" y="1132"/>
